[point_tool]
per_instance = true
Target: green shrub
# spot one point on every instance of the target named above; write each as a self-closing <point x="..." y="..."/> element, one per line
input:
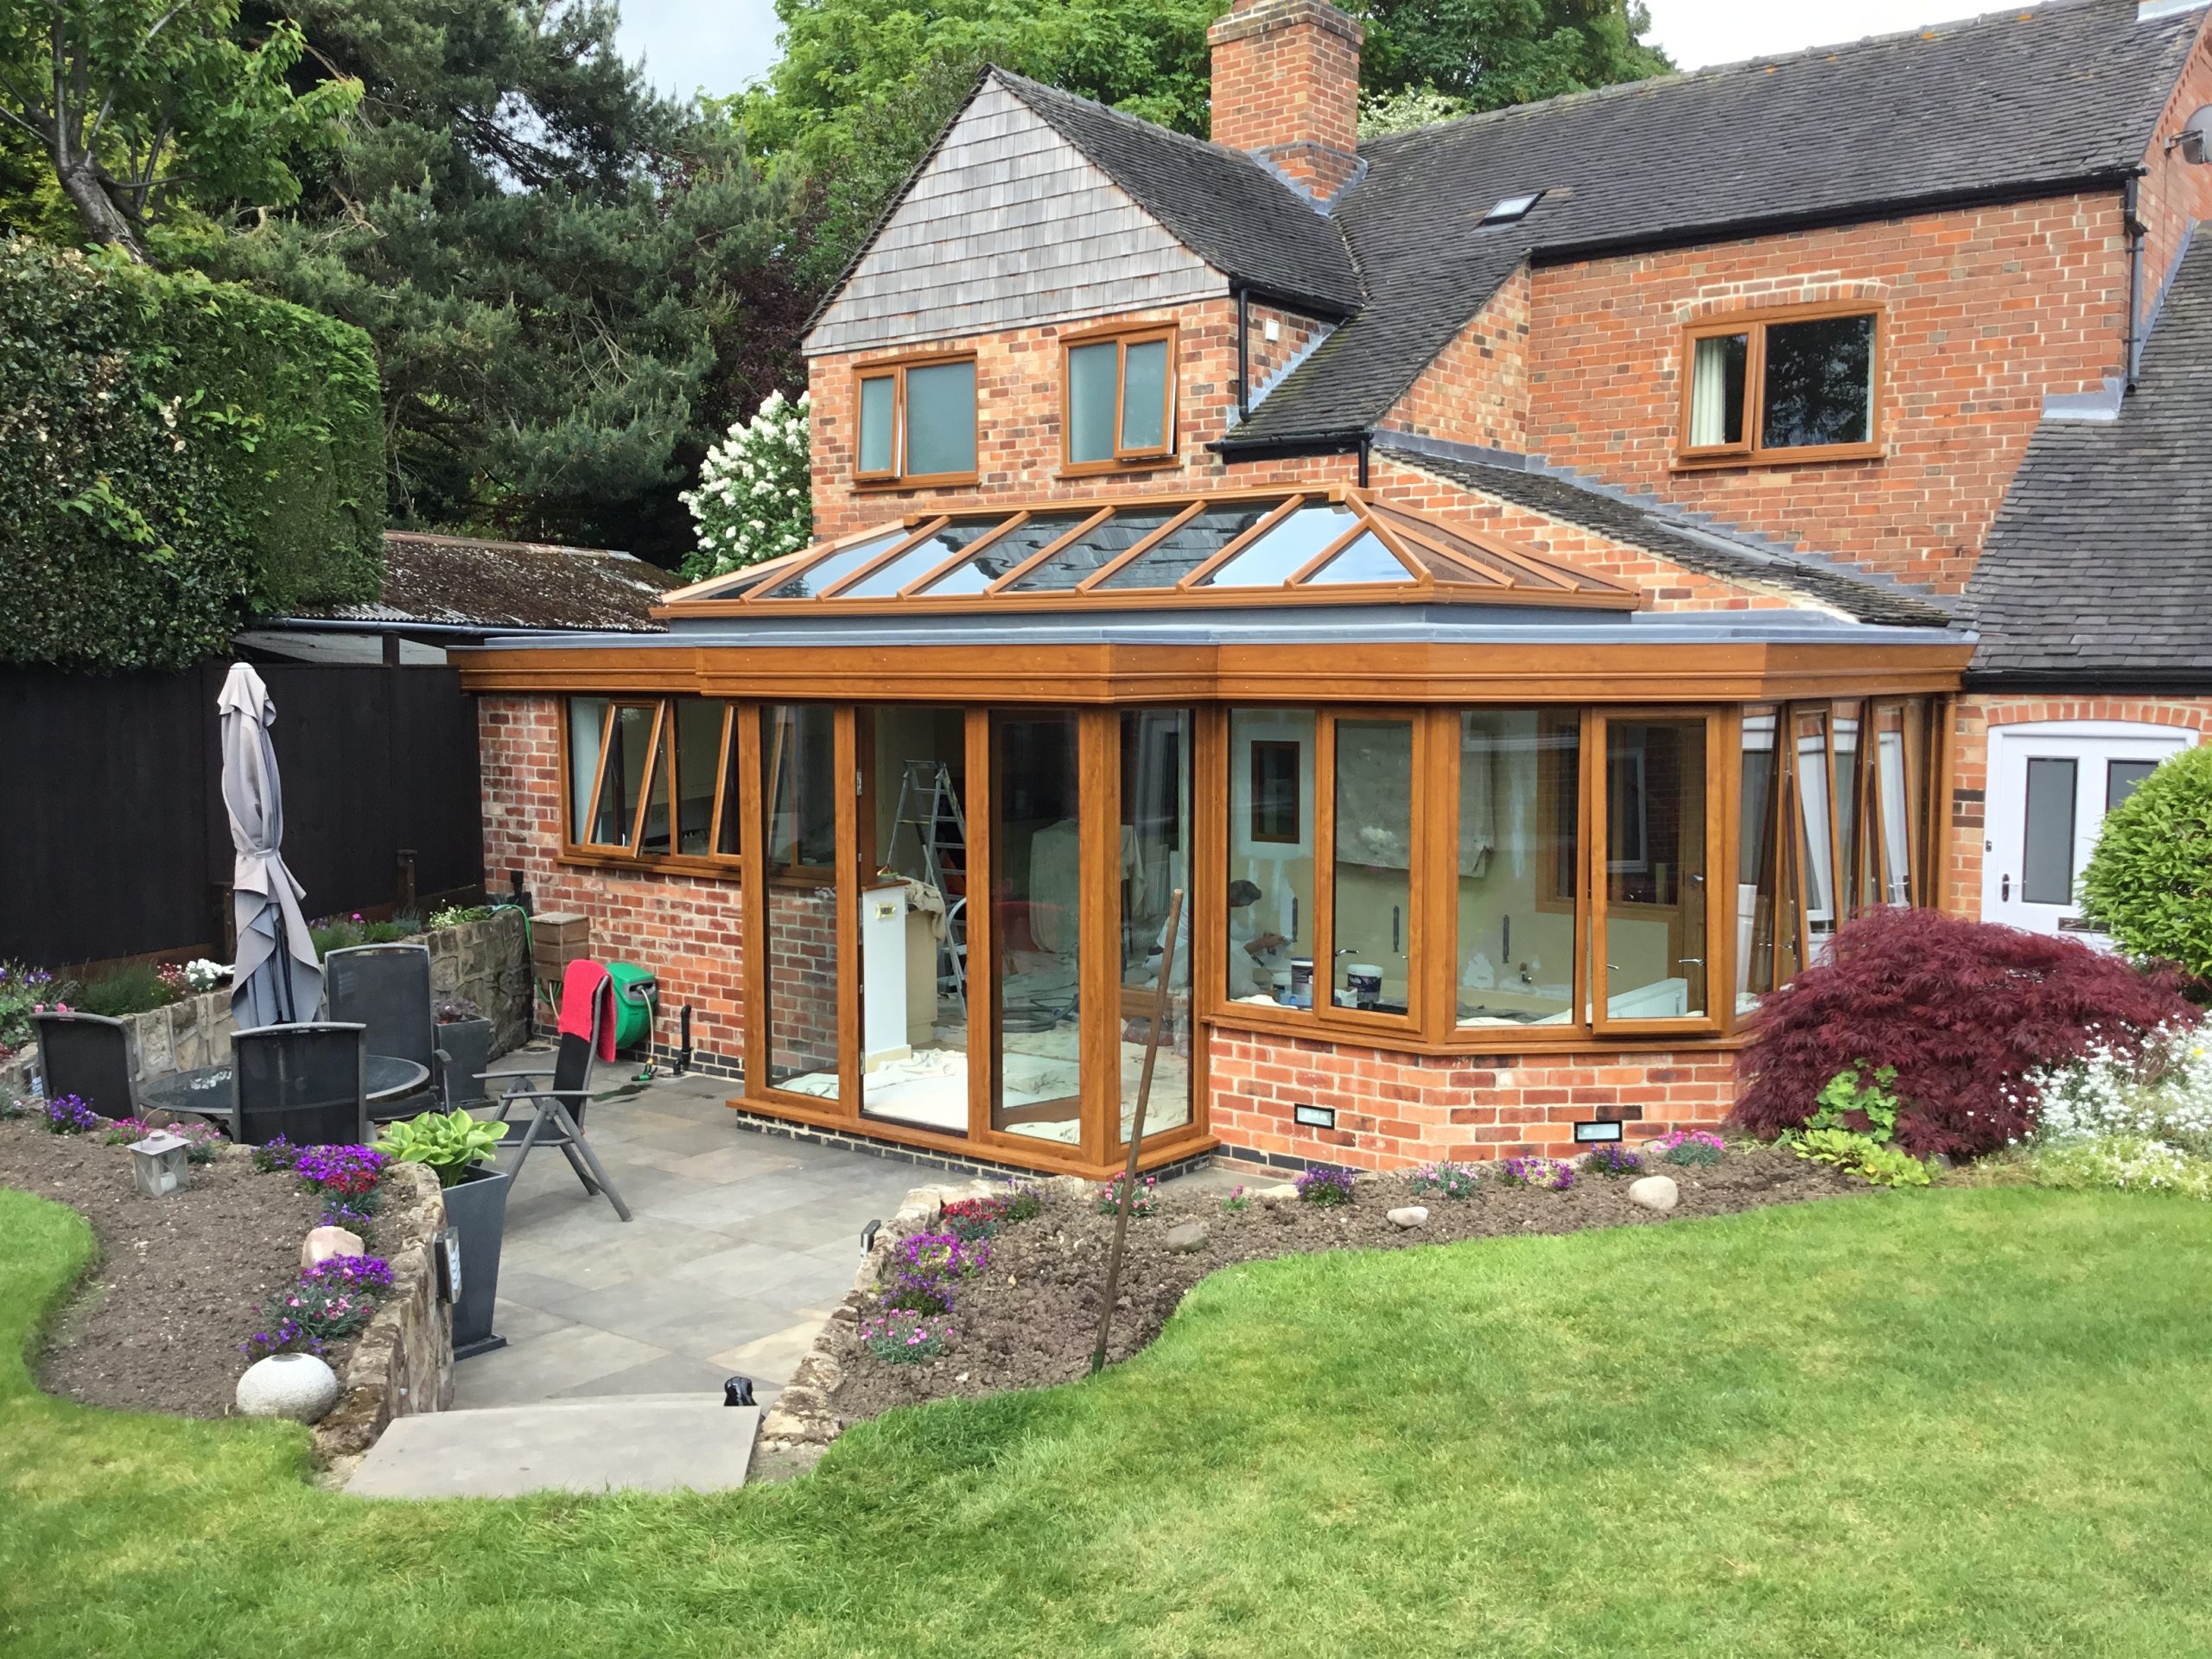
<point x="2149" y="882"/>
<point x="177" y="455"/>
<point x="1861" y="1155"/>
<point x="134" y="987"/>
<point x="1852" y="1128"/>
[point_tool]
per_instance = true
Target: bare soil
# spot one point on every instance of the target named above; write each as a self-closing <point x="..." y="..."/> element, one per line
<point x="1031" y="1318"/>
<point x="157" y="1323"/>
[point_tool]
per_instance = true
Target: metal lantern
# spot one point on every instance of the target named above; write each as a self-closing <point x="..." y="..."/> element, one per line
<point x="157" y="1164"/>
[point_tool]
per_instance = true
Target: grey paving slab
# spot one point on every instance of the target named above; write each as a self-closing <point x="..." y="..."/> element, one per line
<point x="678" y="1374"/>
<point x="654" y="1445"/>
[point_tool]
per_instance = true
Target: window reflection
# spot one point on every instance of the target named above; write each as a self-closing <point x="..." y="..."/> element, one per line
<point x="1371" y="878"/>
<point x="1520" y="793"/>
<point x="1155" y="865"/>
<point x="1653" y="967"/>
<point x="1270" y="875"/>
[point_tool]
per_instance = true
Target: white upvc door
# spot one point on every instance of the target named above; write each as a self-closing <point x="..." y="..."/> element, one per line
<point x="2050" y="784"/>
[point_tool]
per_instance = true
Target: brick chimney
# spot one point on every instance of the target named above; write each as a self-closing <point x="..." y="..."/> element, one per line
<point x="1286" y="87"/>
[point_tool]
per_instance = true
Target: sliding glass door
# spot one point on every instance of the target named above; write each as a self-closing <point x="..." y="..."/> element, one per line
<point x="1035" y="838"/>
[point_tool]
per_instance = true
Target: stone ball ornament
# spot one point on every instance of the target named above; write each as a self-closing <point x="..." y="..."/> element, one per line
<point x="297" y="1386"/>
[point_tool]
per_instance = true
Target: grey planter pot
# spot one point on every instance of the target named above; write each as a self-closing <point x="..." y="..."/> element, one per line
<point x="476" y="1207"/>
<point x="467" y="1043"/>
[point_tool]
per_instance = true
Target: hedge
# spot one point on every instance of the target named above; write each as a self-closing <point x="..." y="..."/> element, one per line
<point x="177" y="456"/>
<point x="2149" y="880"/>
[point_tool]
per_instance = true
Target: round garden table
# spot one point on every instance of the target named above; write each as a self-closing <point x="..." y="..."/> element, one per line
<point x="208" y="1091"/>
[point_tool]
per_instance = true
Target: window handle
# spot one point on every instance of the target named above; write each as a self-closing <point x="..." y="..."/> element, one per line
<point x="1689" y="962"/>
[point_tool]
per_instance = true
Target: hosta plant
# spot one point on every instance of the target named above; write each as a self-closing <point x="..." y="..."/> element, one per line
<point x="449" y="1143"/>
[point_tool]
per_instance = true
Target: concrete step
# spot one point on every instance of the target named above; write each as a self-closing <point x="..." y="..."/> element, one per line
<point x="646" y="1443"/>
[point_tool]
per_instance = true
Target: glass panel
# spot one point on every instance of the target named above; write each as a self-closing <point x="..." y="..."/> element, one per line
<point x="1717" y="390"/>
<point x="653" y="829"/>
<point x="1289" y="547"/>
<point x="1090" y="401"/>
<point x="628" y="740"/>
<point x="1144" y="397"/>
<point x="1759" y="864"/>
<point x="1520" y="792"/>
<point x="2124" y="778"/>
<point x="973" y="575"/>
<point x="1854" y="892"/>
<point x="832" y="568"/>
<point x="799" y="839"/>
<point x="1655" y="869"/>
<point x="919" y="560"/>
<point x="2047" y="866"/>
<point x="1896" y="804"/>
<point x="1366" y="560"/>
<point x="587" y="725"/>
<point x="1036" y="921"/>
<point x="941" y="419"/>
<point x="1156" y="864"/>
<point x="1270" y="874"/>
<point x="1819" y="386"/>
<point x="1815" y="854"/>
<point x="1167" y="561"/>
<point x="1094" y="551"/>
<point x="1373" y="894"/>
<point x="914" y="918"/>
<point x="698" y="760"/>
<point x="879" y="414"/>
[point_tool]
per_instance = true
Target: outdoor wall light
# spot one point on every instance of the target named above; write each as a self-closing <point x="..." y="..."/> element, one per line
<point x="1597" y="1132"/>
<point x="157" y="1164"/>
<point x="1316" y="1117"/>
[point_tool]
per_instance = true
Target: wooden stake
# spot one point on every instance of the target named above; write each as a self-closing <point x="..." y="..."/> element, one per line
<point x="1136" y="1129"/>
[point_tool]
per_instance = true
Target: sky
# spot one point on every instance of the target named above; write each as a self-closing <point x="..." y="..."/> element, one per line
<point x="718" y="46"/>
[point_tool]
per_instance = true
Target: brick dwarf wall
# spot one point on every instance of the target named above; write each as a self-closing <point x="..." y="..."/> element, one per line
<point x="1974" y="719"/>
<point x="1395" y="1108"/>
<point x="1018" y="414"/>
<point x="1286" y="87"/>
<point x="684" y="928"/>
<point x="1985" y="311"/>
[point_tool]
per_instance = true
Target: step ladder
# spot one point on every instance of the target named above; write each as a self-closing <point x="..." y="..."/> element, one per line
<point x="929" y="809"/>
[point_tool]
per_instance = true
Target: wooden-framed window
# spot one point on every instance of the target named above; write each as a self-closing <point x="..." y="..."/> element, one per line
<point x="1117" y="401"/>
<point x="648" y="779"/>
<point x="914" y="420"/>
<point x="1795" y="383"/>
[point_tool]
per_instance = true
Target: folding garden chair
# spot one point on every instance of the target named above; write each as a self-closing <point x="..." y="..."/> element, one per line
<point x="386" y="988"/>
<point x="87" y="1055"/>
<point x="586" y="1022"/>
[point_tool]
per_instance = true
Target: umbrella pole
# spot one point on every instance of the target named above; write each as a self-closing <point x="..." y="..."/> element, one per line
<point x="1136" y="1130"/>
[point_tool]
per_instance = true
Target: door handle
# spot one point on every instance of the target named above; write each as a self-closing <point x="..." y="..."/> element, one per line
<point x="2004" y="888"/>
<point x="1689" y="962"/>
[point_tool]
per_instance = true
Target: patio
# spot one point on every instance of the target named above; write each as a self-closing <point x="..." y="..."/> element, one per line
<point x="742" y="1244"/>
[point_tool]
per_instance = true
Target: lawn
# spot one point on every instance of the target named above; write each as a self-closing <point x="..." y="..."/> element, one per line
<point x="1958" y="1422"/>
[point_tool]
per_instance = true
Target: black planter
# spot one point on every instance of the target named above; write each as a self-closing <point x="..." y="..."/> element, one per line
<point x="476" y="1208"/>
<point x="467" y="1045"/>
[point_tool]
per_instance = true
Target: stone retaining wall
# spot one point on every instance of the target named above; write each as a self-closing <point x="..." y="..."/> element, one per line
<point x="485" y="961"/>
<point x="403" y="1363"/>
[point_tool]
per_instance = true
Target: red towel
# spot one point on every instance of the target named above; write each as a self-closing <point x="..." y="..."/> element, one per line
<point x="587" y="989"/>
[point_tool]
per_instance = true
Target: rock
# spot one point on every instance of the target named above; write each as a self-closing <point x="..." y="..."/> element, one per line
<point x="1411" y="1215"/>
<point x="323" y="1243"/>
<point x="298" y="1386"/>
<point x="1655" y="1192"/>
<point x="1186" y="1236"/>
<point x="1273" y="1195"/>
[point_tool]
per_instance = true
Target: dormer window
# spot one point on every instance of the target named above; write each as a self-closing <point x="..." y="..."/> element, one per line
<point x="1512" y="207"/>
<point x="917" y="422"/>
<point x="1118" y="402"/>
<point x="1792" y="383"/>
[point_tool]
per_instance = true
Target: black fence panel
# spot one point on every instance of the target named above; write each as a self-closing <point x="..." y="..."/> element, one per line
<point x="113" y="841"/>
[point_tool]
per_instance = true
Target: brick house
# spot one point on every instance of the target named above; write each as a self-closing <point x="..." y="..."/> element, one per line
<point x="1388" y="650"/>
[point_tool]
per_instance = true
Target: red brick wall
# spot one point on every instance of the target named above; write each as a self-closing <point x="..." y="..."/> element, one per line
<point x="2174" y="194"/>
<point x="1285" y="85"/>
<point x="1477" y="390"/>
<point x="683" y="927"/>
<point x="1018" y="393"/>
<point x="1394" y="1110"/>
<point x="1985" y="311"/>
<point x="1975" y="716"/>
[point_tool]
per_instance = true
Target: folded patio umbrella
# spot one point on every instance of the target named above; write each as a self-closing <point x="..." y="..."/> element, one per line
<point x="278" y="978"/>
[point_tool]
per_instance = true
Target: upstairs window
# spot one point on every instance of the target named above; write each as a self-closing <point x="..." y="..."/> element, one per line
<point x="1784" y="386"/>
<point x="917" y="422"/>
<point x="1119" y="406"/>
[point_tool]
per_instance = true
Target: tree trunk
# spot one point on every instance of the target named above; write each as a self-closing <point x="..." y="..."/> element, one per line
<point x="80" y="182"/>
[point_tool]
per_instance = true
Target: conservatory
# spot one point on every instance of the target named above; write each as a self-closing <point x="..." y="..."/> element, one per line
<point x="1024" y="811"/>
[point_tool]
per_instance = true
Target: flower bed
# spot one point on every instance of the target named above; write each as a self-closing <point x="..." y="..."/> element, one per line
<point x="1022" y="1311"/>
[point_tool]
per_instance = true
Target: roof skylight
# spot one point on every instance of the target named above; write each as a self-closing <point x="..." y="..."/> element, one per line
<point x="1512" y="207"/>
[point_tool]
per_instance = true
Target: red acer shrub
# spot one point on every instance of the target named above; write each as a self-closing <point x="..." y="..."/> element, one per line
<point x="1963" y="1010"/>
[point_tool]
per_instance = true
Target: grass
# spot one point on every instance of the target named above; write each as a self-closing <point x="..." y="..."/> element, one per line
<point x="1965" y="1422"/>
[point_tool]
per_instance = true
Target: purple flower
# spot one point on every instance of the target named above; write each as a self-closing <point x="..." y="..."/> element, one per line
<point x="347" y="1170"/>
<point x="70" y="1114"/>
<point x="1322" y="1185"/>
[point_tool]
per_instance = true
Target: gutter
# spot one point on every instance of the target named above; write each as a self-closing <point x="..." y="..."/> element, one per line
<point x="439" y="630"/>
<point x="2131" y="224"/>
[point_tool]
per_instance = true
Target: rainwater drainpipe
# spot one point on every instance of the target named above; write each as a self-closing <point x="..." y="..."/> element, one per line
<point x="2135" y="228"/>
<point x="1243" y="354"/>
